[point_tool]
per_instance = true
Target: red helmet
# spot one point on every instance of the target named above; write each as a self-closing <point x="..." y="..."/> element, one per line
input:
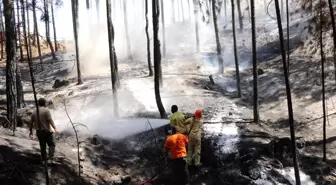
<point x="198" y="114"/>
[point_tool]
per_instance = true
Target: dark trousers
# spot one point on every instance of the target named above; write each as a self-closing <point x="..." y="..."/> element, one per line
<point x="45" y="138"/>
<point x="180" y="171"/>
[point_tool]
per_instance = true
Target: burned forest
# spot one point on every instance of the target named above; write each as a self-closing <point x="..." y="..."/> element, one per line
<point x="167" y="92"/>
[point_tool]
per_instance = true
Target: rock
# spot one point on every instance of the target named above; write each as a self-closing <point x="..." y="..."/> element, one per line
<point x="95" y="140"/>
<point x="230" y="113"/>
<point x="60" y="83"/>
<point x="300" y="143"/>
<point x="254" y="173"/>
<point x="260" y="71"/>
<point x="126" y="179"/>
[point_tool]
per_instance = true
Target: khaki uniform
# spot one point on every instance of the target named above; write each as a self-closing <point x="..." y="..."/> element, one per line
<point x="44" y="132"/>
<point x="177" y="121"/>
<point x="195" y="127"/>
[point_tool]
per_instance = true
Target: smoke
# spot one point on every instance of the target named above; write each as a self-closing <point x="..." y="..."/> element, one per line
<point x="137" y="94"/>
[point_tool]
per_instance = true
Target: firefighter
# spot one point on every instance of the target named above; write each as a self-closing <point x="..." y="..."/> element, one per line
<point x="176" y="144"/>
<point x="195" y="127"/>
<point x="177" y="120"/>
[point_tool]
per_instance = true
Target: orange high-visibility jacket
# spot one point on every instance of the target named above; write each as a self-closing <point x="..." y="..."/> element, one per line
<point x="177" y="145"/>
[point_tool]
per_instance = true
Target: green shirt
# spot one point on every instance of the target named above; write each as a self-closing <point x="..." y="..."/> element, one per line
<point x="177" y="121"/>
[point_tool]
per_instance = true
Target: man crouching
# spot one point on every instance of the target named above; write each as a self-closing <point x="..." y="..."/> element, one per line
<point x="176" y="144"/>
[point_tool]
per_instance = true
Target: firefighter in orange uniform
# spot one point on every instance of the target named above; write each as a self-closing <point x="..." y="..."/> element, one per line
<point x="176" y="144"/>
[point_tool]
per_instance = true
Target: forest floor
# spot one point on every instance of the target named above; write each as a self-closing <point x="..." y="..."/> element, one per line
<point x="129" y="150"/>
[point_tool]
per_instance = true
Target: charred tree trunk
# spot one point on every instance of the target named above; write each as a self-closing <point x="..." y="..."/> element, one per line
<point x="129" y="50"/>
<point x="282" y="10"/>
<point x="219" y="48"/>
<point x="332" y="15"/>
<point x="114" y="69"/>
<point x="29" y="52"/>
<point x="19" y="88"/>
<point x="241" y="25"/>
<point x="248" y="10"/>
<point x="28" y="30"/>
<point x="87" y="4"/>
<point x="10" y="63"/>
<point x="196" y="24"/>
<point x="157" y="57"/>
<point x="34" y="37"/>
<point x="54" y="24"/>
<point x="37" y="32"/>
<point x="255" y="66"/>
<point x="235" y="48"/>
<point x="47" y="25"/>
<point x="163" y="30"/>
<point x="323" y="86"/>
<point x="74" y="6"/>
<point x="289" y="97"/>
<point x="288" y="52"/>
<point x="148" y="41"/>
<point x="2" y="32"/>
<point x="18" y="29"/>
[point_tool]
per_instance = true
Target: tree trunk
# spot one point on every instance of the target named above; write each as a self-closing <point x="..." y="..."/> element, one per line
<point x="248" y="10"/>
<point x="332" y="15"/>
<point x="241" y="25"/>
<point x="235" y="48"/>
<point x="189" y="14"/>
<point x="173" y="11"/>
<point x="129" y="50"/>
<point x="148" y="41"/>
<point x="255" y="66"/>
<point x="288" y="51"/>
<point x="219" y="48"/>
<point x="87" y="4"/>
<point x="289" y="97"/>
<point x="34" y="37"/>
<point x="37" y="33"/>
<point x="196" y="24"/>
<point x="10" y="63"/>
<point x="157" y="58"/>
<point x="29" y="52"/>
<point x="282" y="9"/>
<point x="225" y="10"/>
<point x="114" y="71"/>
<point x="97" y="11"/>
<point x="18" y="29"/>
<point x="323" y="87"/>
<point x="74" y="6"/>
<point x="54" y="25"/>
<point x="47" y="25"/>
<point x="3" y="36"/>
<point x="28" y="26"/>
<point x="19" y="88"/>
<point x="163" y="30"/>
<point x="182" y="10"/>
